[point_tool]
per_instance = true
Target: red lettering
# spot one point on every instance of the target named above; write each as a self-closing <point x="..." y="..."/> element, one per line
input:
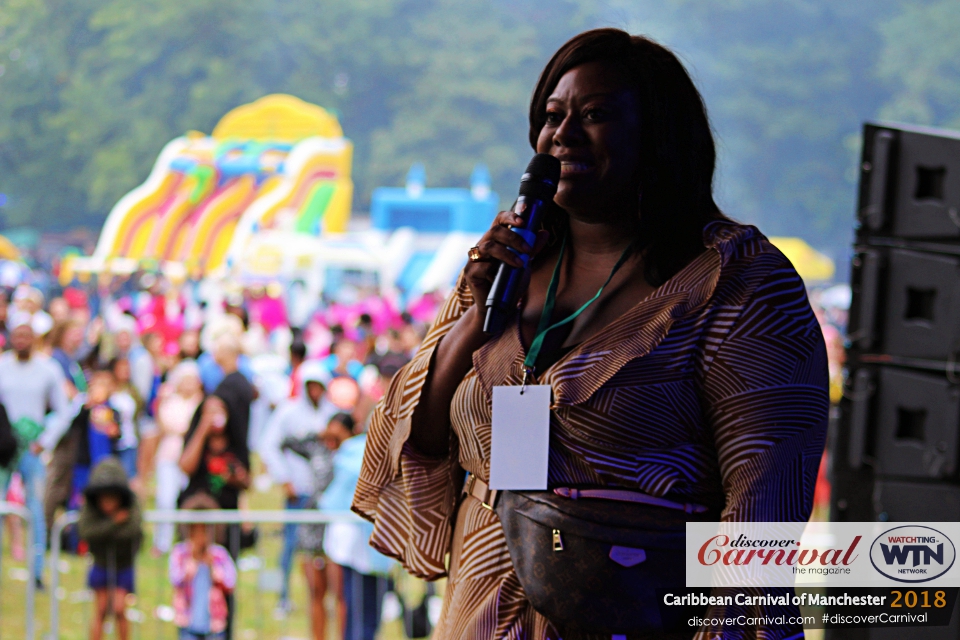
<point x="853" y="545"/>
<point x="826" y="554"/>
<point x="736" y="554"/>
<point x="701" y="556"/>
<point x="803" y="556"/>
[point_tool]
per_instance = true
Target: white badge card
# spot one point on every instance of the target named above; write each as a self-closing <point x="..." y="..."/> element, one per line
<point x="520" y="439"/>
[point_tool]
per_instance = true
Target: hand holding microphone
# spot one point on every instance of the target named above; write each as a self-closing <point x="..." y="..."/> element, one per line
<point x="498" y="263"/>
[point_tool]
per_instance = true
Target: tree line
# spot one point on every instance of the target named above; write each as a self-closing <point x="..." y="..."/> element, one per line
<point x="90" y="90"/>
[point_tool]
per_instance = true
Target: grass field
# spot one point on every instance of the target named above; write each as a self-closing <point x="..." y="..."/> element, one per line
<point x="149" y="610"/>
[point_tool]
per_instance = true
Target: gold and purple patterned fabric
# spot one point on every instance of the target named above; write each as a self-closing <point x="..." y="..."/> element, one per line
<point x="712" y="390"/>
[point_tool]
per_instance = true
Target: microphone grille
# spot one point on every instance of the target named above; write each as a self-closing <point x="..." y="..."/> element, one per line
<point x="544" y="166"/>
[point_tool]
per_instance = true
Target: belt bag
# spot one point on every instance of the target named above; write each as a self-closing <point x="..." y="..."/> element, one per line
<point x="598" y="560"/>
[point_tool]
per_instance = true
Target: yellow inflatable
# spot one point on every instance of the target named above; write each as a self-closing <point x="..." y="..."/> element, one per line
<point x="276" y="163"/>
<point x="8" y="251"/>
<point x="812" y="265"/>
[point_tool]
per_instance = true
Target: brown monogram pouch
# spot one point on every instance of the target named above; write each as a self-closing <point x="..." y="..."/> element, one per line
<point x="597" y="561"/>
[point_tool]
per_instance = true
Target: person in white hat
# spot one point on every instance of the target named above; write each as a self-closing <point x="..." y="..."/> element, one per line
<point x="29" y="300"/>
<point x="298" y="418"/>
<point x="30" y="383"/>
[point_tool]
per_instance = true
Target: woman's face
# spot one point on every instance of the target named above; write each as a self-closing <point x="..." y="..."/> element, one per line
<point x="345" y="350"/>
<point x="217" y="439"/>
<point x="592" y="126"/>
<point x="190" y="344"/>
<point x="216" y="412"/>
<point x="121" y="370"/>
<point x="189" y="386"/>
<point x="59" y="310"/>
<point x="124" y="341"/>
<point x="335" y="434"/>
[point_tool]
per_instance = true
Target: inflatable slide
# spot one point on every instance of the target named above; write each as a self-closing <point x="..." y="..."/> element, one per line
<point x="278" y="163"/>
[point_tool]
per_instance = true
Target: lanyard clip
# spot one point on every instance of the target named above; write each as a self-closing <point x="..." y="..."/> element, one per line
<point x="527" y="372"/>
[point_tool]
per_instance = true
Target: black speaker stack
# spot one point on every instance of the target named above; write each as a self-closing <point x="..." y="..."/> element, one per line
<point x="894" y="443"/>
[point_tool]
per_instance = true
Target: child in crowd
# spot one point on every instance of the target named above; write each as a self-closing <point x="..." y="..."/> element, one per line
<point x="110" y="523"/>
<point x="177" y="401"/>
<point x="127" y="401"/>
<point x="98" y="424"/>
<point x="213" y="468"/>
<point x="363" y="571"/>
<point x="207" y="459"/>
<point x="310" y="536"/>
<point x="202" y="575"/>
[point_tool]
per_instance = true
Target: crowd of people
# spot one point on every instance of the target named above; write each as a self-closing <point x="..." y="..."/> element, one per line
<point x="134" y="392"/>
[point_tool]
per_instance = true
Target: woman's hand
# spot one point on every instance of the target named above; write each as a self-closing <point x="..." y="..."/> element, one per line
<point x="239" y="477"/>
<point x="494" y="247"/>
<point x="430" y="428"/>
<point x="213" y="415"/>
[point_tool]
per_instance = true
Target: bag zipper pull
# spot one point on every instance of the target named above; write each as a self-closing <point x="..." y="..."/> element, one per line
<point x="557" y="540"/>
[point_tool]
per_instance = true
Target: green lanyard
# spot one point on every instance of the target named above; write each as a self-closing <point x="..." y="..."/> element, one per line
<point x="544" y="327"/>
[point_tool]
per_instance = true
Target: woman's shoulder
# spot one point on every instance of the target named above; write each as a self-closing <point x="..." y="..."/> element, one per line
<point x="743" y="244"/>
<point x="747" y="257"/>
<point x="757" y="278"/>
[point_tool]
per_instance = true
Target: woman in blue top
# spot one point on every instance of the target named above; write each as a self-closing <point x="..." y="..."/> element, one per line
<point x="346" y="545"/>
<point x="363" y="569"/>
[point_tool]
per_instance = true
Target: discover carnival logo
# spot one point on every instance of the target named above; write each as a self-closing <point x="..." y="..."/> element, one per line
<point x="912" y="553"/>
<point x="743" y="551"/>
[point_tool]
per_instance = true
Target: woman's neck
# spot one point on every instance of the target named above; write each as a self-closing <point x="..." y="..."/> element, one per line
<point x="598" y="240"/>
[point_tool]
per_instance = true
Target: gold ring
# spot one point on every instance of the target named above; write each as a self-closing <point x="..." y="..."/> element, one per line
<point x="474" y="254"/>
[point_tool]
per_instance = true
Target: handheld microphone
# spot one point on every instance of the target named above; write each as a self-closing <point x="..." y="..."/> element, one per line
<point x="538" y="186"/>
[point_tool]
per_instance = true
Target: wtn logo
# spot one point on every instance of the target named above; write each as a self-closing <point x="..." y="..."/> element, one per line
<point x="899" y="554"/>
<point x="912" y="554"/>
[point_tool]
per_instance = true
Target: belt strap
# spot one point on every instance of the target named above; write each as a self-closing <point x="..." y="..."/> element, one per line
<point x="624" y="495"/>
<point x="480" y="490"/>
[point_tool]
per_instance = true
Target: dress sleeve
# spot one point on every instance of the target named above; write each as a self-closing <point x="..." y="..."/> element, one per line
<point x="223" y="572"/>
<point x="181" y="569"/>
<point x="766" y="400"/>
<point x="410" y="497"/>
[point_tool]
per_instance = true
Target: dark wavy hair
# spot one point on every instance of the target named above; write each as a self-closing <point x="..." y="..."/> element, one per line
<point x="677" y="153"/>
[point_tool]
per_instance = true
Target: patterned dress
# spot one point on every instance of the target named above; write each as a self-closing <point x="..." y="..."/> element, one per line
<point x="711" y="390"/>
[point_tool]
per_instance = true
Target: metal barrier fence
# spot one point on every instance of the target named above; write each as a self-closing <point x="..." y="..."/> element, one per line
<point x="11" y="509"/>
<point x="211" y="517"/>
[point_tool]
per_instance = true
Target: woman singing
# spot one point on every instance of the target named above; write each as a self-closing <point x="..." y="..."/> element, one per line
<point x="698" y="375"/>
